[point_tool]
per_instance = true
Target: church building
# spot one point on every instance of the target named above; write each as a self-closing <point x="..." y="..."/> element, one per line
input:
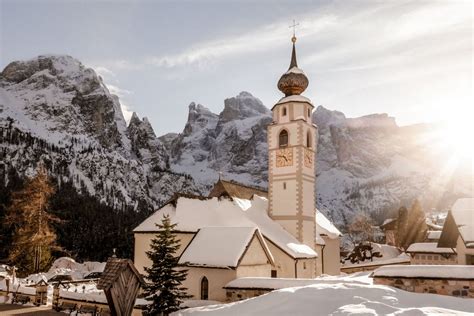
<point x="241" y="231"/>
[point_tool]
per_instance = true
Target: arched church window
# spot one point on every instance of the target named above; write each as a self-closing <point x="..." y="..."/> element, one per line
<point x="283" y="111"/>
<point x="283" y="139"/>
<point x="309" y="112"/>
<point x="204" y="289"/>
<point x="308" y="140"/>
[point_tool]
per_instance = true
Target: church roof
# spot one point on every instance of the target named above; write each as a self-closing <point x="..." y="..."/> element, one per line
<point x="234" y="189"/>
<point x="221" y="247"/>
<point x="190" y="215"/>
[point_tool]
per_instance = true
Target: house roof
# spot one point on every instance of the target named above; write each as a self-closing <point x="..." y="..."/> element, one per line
<point x="236" y="190"/>
<point x="222" y="247"/>
<point x="233" y="189"/>
<point x="389" y="224"/>
<point x="112" y="271"/>
<point x="459" y="222"/>
<point x="325" y="227"/>
<point x="428" y="247"/>
<point x="434" y="234"/>
<point x="190" y="215"/>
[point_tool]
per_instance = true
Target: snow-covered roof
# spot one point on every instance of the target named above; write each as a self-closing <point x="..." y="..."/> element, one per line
<point x="428" y="247"/>
<point x="463" y="214"/>
<point x="220" y="246"/>
<point x="427" y="271"/>
<point x="294" y="98"/>
<point x="294" y="70"/>
<point x="459" y="222"/>
<point x="190" y="215"/>
<point x="434" y="234"/>
<point x="325" y="227"/>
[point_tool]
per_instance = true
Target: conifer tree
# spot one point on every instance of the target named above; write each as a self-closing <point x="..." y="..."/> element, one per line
<point x="33" y="236"/>
<point x="165" y="279"/>
<point x="411" y="225"/>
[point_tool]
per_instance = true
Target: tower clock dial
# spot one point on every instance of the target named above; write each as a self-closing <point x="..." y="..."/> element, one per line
<point x="284" y="157"/>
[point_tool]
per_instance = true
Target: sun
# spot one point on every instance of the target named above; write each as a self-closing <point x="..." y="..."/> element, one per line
<point x="456" y="135"/>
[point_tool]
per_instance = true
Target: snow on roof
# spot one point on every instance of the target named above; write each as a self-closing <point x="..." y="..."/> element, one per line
<point x="219" y="246"/>
<point x="274" y="231"/>
<point x="434" y="234"/>
<point x="427" y="271"/>
<point x="294" y="70"/>
<point x="388" y="220"/>
<point x="463" y="214"/>
<point x="294" y="98"/>
<point x="428" y="247"/>
<point x="192" y="214"/>
<point x="325" y="227"/>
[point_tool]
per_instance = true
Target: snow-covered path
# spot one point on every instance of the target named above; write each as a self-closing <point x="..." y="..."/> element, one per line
<point x="347" y="297"/>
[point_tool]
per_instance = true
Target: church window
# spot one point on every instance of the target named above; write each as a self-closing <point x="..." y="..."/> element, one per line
<point x="274" y="273"/>
<point x="308" y="140"/>
<point x="309" y="112"/>
<point x="304" y="265"/>
<point x="283" y="111"/>
<point x="284" y="185"/>
<point x="283" y="139"/>
<point x="204" y="289"/>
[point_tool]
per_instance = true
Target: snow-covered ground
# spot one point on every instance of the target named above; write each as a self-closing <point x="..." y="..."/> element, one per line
<point x="344" y="295"/>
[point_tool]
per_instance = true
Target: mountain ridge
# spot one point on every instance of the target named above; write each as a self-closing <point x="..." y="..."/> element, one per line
<point x="365" y="164"/>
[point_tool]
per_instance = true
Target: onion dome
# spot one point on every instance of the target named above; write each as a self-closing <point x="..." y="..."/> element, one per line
<point x="294" y="81"/>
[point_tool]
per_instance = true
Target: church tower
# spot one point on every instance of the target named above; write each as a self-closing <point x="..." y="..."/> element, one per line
<point x="292" y="151"/>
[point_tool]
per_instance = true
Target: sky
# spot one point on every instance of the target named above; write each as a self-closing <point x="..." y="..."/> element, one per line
<point x="410" y="59"/>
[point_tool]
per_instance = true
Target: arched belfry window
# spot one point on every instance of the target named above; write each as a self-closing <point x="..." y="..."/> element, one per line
<point x="204" y="289"/>
<point x="308" y="140"/>
<point x="283" y="111"/>
<point x="283" y="138"/>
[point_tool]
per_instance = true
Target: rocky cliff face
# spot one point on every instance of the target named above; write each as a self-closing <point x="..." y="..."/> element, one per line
<point x="55" y="111"/>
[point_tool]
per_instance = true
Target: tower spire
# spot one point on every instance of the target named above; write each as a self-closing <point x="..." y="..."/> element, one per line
<point x="293" y="62"/>
<point x="294" y="81"/>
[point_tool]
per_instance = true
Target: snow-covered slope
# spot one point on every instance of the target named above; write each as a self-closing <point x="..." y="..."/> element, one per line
<point x="55" y="111"/>
<point x="341" y="296"/>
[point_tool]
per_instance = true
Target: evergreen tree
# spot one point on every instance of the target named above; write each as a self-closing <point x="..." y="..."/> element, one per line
<point x="33" y="237"/>
<point x="411" y="226"/>
<point x="165" y="279"/>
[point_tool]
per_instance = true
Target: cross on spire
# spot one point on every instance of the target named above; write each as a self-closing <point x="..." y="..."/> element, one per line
<point x="294" y="29"/>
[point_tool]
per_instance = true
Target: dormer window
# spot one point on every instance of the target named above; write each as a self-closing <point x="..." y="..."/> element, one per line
<point x="283" y="111"/>
<point x="283" y="139"/>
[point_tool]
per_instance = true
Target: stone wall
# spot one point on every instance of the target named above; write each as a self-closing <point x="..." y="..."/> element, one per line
<point x="459" y="288"/>
<point x="370" y="266"/>
<point x="234" y="295"/>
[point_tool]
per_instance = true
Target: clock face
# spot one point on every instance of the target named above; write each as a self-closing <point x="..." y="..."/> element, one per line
<point x="284" y="157"/>
<point x="308" y="158"/>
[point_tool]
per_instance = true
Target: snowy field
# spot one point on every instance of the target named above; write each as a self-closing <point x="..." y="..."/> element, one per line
<point x="349" y="295"/>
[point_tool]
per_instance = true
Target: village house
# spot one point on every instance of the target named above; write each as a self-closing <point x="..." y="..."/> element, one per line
<point x="430" y="253"/>
<point x="458" y="231"/>
<point x="240" y="231"/>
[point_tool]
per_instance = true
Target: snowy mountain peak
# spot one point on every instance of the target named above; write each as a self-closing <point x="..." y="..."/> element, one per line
<point x="242" y="106"/>
<point x="324" y="117"/>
